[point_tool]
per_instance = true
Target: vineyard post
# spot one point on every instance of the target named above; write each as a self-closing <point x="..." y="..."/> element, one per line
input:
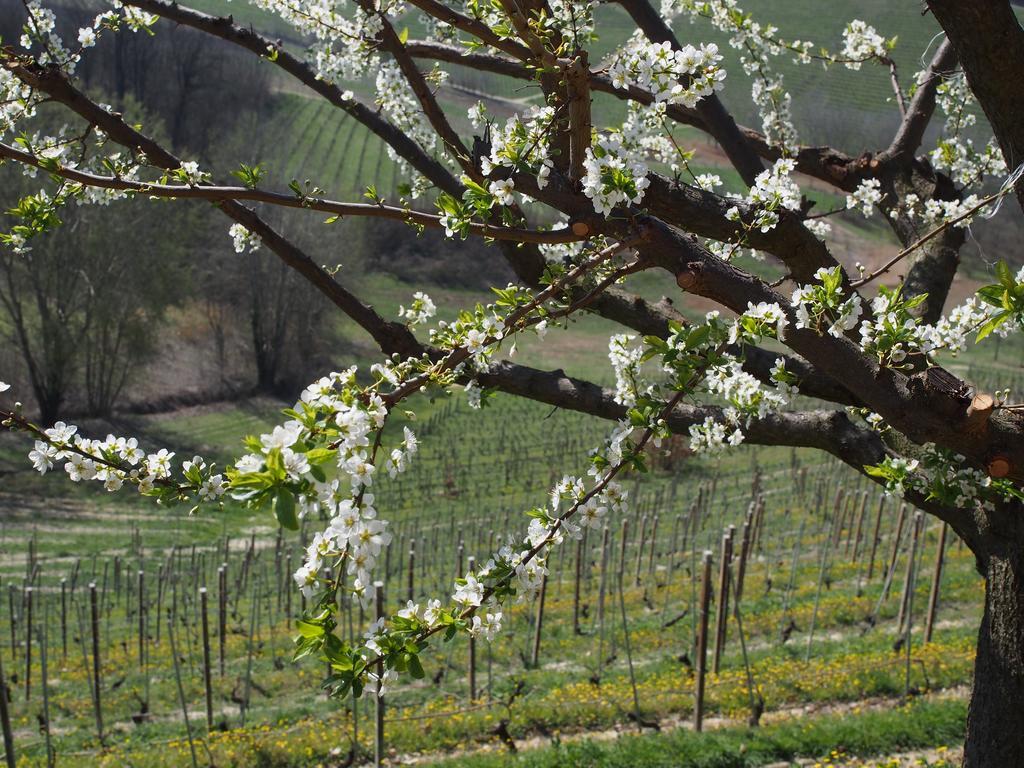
<point x="29" y="593"/>
<point x="472" y="647"/>
<point x="378" y="741"/>
<point x="538" y="627"/>
<point x="412" y="568"/>
<point x="653" y="552"/>
<point x="745" y="544"/>
<point x="900" y="521"/>
<point x="206" y="659"/>
<point x="159" y="599"/>
<point x="600" y="600"/>
<point x="576" y="586"/>
<point x="222" y="613"/>
<point x="94" y="609"/>
<point x="933" y="597"/>
<point x="64" y="618"/>
<point x="908" y="584"/>
<point x="860" y="525"/>
<point x="641" y="534"/>
<point x="5" y="721"/>
<point x="702" y="641"/>
<point x="911" y="578"/>
<point x="141" y="578"/>
<point x="722" y="606"/>
<point x="14" y="624"/>
<point x="43" y="639"/>
<point x="875" y="538"/>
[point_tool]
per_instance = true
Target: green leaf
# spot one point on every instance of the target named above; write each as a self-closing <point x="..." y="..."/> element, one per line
<point x="415" y="667"/>
<point x="992" y="324"/>
<point x="284" y="509"/>
<point x="309" y="629"/>
<point x="1004" y="275"/>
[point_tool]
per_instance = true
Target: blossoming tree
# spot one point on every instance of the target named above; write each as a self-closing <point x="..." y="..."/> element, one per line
<point x="625" y="200"/>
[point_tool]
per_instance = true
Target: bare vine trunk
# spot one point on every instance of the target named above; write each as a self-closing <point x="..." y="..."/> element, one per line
<point x="995" y="721"/>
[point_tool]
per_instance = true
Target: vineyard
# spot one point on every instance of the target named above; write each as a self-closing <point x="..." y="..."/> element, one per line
<point x="141" y="637"/>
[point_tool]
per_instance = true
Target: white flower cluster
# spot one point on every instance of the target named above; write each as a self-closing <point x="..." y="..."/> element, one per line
<point x="395" y="98"/>
<point x="784" y="381"/>
<point x="17" y="101"/>
<point x="354" y="532"/>
<point x="952" y="331"/>
<point x="758" y="45"/>
<point x="713" y="437"/>
<point x="501" y="190"/>
<point x="475" y="332"/>
<point x="626" y="361"/>
<point x="944" y="476"/>
<point x="958" y="213"/>
<point x="522" y="145"/>
<point x="773" y="190"/>
<point x="744" y="393"/>
<point x="822" y="305"/>
<point x="867" y="195"/>
<point x="955" y="152"/>
<point x="242" y="239"/>
<point x="683" y="76"/>
<point x="759" y="320"/>
<point x="862" y="43"/>
<point x="421" y="309"/>
<point x="117" y="460"/>
<point x="643" y="133"/>
<point x="614" y="175"/>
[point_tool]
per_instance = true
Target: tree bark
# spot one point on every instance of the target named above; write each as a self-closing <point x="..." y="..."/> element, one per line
<point x="995" y="720"/>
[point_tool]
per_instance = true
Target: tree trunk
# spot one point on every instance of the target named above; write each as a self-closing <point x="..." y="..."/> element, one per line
<point x="995" y="721"/>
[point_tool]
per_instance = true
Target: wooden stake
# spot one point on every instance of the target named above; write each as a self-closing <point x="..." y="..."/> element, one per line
<point x="908" y="582"/>
<point x="378" y="741"/>
<point x="722" y="607"/>
<point x="875" y="537"/>
<point x="207" y="685"/>
<point x="702" y="641"/>
<point x="29" y="592"/>
<point x="5" y="720"/>
<point x="472" y="647"/>
<point x="535" y="655"/>
<point x="900" y="520"/>
<point x="933" y="597"/>
<point x="94" y="609"/>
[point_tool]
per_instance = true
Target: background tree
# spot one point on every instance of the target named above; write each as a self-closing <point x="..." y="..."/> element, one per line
<point x="626" y="202"/>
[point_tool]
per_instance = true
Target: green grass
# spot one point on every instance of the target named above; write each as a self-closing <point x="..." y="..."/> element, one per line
<point x="921" y="724"/>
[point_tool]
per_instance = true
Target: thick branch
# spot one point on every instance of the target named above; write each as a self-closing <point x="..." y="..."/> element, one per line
<point x="989" y="44"/>
<point x="930" y="407"/>
<point x="476" y="28"/>
<point x="915" y="122"/>
<point x="830" y="431"/>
